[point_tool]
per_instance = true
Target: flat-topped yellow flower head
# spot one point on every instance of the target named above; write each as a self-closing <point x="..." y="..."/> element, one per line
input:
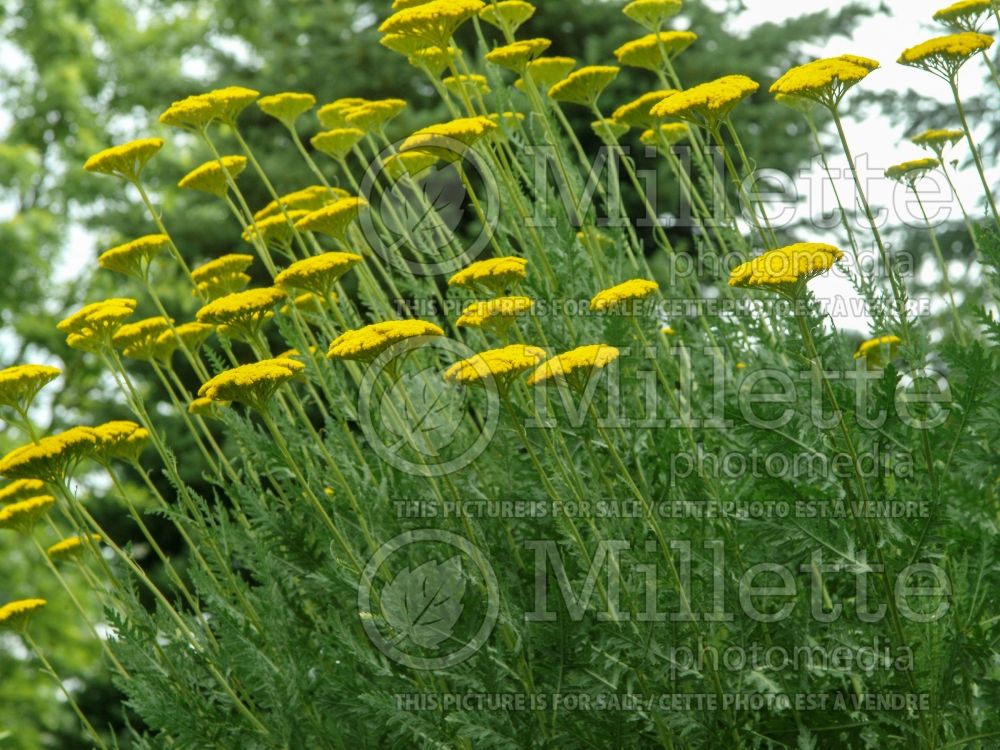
<point x="879" y="350"/>
<point x="317" y="274"/>
<point x="24" y="515"/>
<point x="133" y="258"/>
<point x="546" y="71"/>
<point x="944" y="55"/>
<point x="252" y="384"/>
<point x="138" y="340"/>
<point x="966" y="15"/>
<point x="221" y="266"/>
<point x="911" y="171"/>
<point x="365" y="344"/>
<point x="276" y="230"/>
<point x="434" y="60"/>
<point x="636" y="113"/>
<point x="51" y="458"/>
<point x="653" y="51"/>
<point x="72" y="547"/>
<point x="332" y="115"/>
<point x="621" y="296"/>
<point x="15" y="615"/>
<point x="230" y="101"/>
<point x="20" y="384"/>
<point x="433" y="22"/>
<point x="242" y="313"/>
<point x="496" y="314"/>
<point x="91" y="327"/>
<point x="584" y="86"/>
<point x="287" y="107"/>
<point x="334" y="219"/>
<point x="373" y="116"/>
<point x="127" y="160"/>
<point x="211" y="177"/>
<point x="787" y="269"/>
<point x="575" y="366"/>
<point x="206" y="407"/>
<point x="824" y="81"/>
<point x="413" y="163"/>
<point x="338" y="142"/>
<point x="938" y="140"/>
<point x="609" y="130"/>
<point x="21" y="489"/>
<point x="708" y="103"/>
<point x="516" y="55"/>
<point x="194" y="112"/>
<point x="192" y="335"/>
<point x="495" y="368"/>
<point x="507" y="15"/>
<point x="652" y="14"/>
<point x="450" y="140"/>
<point x="494" y="274"/>
<point x="463" y="85"/>
<point x="119" y="440"/>
<point x="306" y="199"/>
<point x="664" y="136"/>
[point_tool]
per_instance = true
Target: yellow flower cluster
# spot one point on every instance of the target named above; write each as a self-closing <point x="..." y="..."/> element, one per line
<point x="412" y="163"/>
<point x="493" y="274"/>
<point x="365" y="344"/>
<point x="252" y="384"/>
<point x="22" y="516"/>
<point x="507" y="14"/>
<point x="636" y="113"/>
<point x="944" y="55"/>
<point x="199" y="111"/>
<point x="334" y="219"/>
<point x="517" y="55"/>
<point x="652" y="52"/>
<point x="461" y="85"/>
<point x="911" y="171"/>
<point x="449" y="140"/>
<point x="192" y="335"/>
<point x="21" y="489"/>
<point x="495" y="314"/>
<point x="139" y="340"/>
<point x="618" y="296"/>
<point x="664" y="136"/>
<point x="546" y="71"/>
<point x="496" y="367"/>
<point x="274" y="230"/>
<point x="433" y="22"/>
<point x="119" y="439"/>
<point x="332" y="115"/>
<point x="937" y="140"/>
<point x="306" y="199"/>
<point x="824" y="81"/>
<point x="575" y="366"/>
<point x="372" y="116"/>
<point x="965" y="15"/>
<point x="21" y="383"/>
<point x="317" y="274"/>
<point x="707" y="103"/>
<point x="222" y="276"/>
<point x="50" y="458"/>
<point x="652" y="14"/>
<point x="287" y="107"/>
<point x="92" y="326"/>
<point x="126" y="160"/>
<point x="785" y="269"/>
<point x="14" y="615"/>
<point x="878" y="350"/>
<point x="133" y="258"/>
<point x="585" y="85"/>
<point x="338" y="142"/>
<point x="71" y="546"/>
<point x="211" y="177"/>
<point x="241" y="314"/>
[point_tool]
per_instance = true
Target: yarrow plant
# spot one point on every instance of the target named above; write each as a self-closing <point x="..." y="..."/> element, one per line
<point x="485" y="473"/>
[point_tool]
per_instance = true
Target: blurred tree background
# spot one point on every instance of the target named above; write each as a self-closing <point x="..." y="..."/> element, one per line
<point x="79" y="75"/>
